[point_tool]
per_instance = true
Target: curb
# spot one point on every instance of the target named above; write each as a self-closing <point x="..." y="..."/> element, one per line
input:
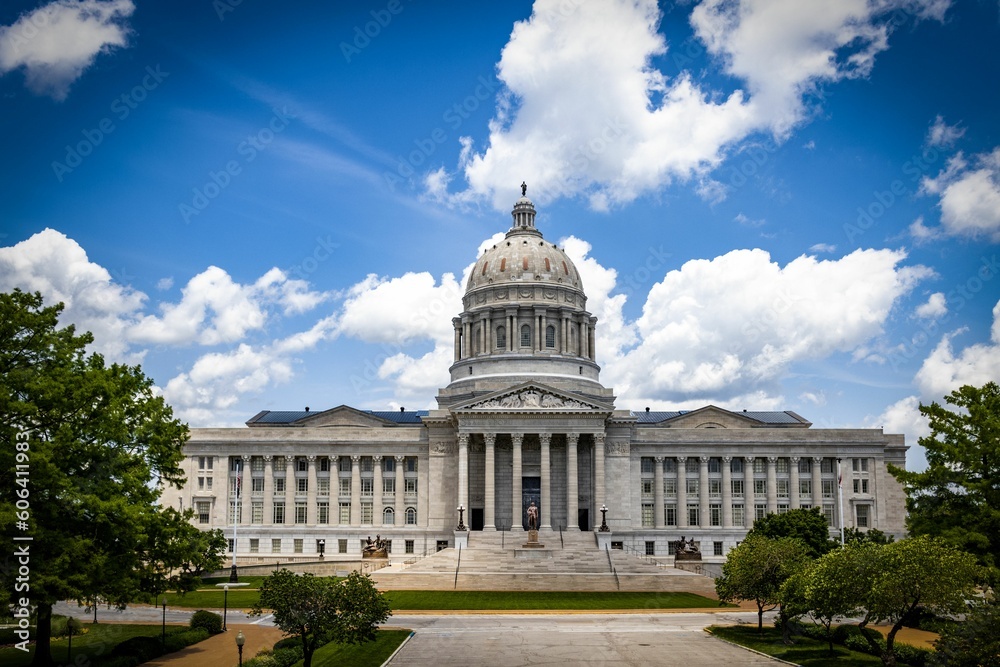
<point x="746" y="648"/>
<point x="398" y="649"/>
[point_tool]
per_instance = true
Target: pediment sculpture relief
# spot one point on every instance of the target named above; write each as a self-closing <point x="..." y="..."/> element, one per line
<point x="532" y="398"/>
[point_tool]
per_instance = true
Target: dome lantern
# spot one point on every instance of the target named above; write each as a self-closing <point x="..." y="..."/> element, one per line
<point x="523" y="213"/>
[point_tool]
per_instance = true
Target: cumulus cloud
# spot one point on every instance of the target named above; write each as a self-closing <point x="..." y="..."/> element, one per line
<point x="942" y="135"/>
<point x="935" y="307"/>
<point x="904" y="417"/>
<point x="646" y="130"/>
<point x="58" y="41"/>
<point x="822" y="247"/>
<point x="969" y="196"/>
<point x="944" y="370"/>
<point x="56" y="266"/>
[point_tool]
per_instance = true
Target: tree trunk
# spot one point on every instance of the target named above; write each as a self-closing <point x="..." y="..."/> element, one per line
<point x="760" y="619"/>
<point x="43" y="636"/>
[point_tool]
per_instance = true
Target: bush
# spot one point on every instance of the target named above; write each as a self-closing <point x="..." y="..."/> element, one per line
<point x="288" y="642"/>
<point x="181" y="640"/>
<point x="286" y="657"/>
<point x="208" y="621"/>
<point x="912" y="655"/>
<point x="143" y="648"/>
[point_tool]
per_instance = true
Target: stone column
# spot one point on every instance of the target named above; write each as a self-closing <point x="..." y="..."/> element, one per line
<point x="268" y="490"/>
<point x="817" y="481"/>
<point x="355" y="490"/>
<point x="682" y="498"/>
<point x="490" y="343"/>
<point x="399" y="504"/>
<point x="793" y="483"/>
<point x="727" y="493"/>
<point x="516" y="510"/>
<point x="658" y="492"/>
<point x="243" y="502"/>
<point x="463" y="470"/>
<point x="545" y="521"/>
<point x="334" y="491"/>
<point x="458" y="339"/>
<point x="599" y="485"/>
<point x="311" y="491"/>
<point x="377" y="490"/>
<point x="749" y="493"/>
<point x="466" y="340"/>
<point x="565" y="334"/>
<point x="511" y="325"/>
<point x="572" y="483"/>
<point x="703" y="516"/>
<point x="592" y="341"/>
<point x="289" y="489"/>
<point x="489" y="493"/>
<point x="772" y="484"/>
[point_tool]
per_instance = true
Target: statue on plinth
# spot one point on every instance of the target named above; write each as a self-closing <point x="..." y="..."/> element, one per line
<point x="687" y="550"/>
<point x="377" y="548"/>
<point x="532" y="516"/>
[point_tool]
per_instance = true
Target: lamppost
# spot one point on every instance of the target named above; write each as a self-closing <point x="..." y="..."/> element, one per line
<point x="604" y="520"/>
<point x="69" y="651"/>
<point x="240" y="641"/>
<point x="322" y="548"/>
<point x="225" y="606"/>
<point x="163" y="633"/>
<point x="461" y="517"/>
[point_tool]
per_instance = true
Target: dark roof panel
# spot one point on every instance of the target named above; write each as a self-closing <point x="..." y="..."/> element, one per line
<point x="289" y="417"/>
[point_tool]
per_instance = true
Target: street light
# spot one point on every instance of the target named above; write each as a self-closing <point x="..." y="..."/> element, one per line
<point x="240" y="641"/>
<point x="604" y="520"/>
<point x="163" y="635"/>
<point x="322" y="548"/>
<point x="225" y="606"/>
<point x="461" y="517"/>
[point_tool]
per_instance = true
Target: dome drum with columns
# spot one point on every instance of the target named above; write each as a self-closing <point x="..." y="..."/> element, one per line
<point x="525" y="419"/>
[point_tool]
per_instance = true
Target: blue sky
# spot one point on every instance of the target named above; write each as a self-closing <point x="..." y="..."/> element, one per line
<point x="774" y="205"/>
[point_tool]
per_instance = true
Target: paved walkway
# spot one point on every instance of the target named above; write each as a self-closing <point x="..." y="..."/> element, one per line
<point x="220" y="650"/>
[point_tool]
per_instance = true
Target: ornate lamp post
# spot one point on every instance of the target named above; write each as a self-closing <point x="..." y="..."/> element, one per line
<point x="604" y="520"/>
<point x="240" y="641"/>
<point x="322" y="548"/>
<point x="225" y="606"/>
<point x="461" y="518"/>
<point x="163" y="632"/>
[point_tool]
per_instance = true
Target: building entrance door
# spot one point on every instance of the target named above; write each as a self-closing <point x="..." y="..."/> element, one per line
<point x="583" y="516"/>
<point x="531" y="490"/>
<point x="476" y="518"/>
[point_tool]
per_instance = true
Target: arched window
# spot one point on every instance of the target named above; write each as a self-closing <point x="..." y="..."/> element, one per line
<point x="525" y="336"/>
<point x="388" y="517"/>
<point x="501" y="337"/>
<point x="411" y="516"/>
<point x="550" y="336"/>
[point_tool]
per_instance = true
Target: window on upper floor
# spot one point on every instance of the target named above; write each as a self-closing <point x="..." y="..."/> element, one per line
<point x="501" y="337"/>
<point x="525" y="335"/>
<point x="550" y="336"/>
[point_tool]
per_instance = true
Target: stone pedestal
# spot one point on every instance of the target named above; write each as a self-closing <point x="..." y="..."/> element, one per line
<point x="603" y="540"/>
<point x="533" y="542"/>
<point x="461" y="539"/>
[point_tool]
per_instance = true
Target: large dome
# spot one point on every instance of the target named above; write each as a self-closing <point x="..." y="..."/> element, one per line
<point x="524" y="257"/>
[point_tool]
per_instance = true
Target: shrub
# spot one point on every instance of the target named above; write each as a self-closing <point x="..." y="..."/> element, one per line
<point x="181" y="640"/>
<point x="208" y="621"/>
<point x="288" y="642"/>
<point x="143" y="648"/>
<point x="286" y="657"/>
<point x="912" y="655"/>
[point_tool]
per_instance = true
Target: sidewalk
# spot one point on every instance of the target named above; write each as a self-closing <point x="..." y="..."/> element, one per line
<point x="220" y="650"/>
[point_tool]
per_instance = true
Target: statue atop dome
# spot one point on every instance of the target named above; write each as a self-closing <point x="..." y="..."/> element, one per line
<point x="524" y="189"/>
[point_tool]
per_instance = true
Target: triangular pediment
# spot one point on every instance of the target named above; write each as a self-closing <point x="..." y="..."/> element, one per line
<point x="711" y="416"/>
<point x="343" y="415"/>
<point x="533" y="397"/>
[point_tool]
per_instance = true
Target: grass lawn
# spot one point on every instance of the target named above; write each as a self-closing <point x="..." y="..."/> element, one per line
<point x="523" y="600"/>
<point x="254" y="581"/>
<point x="806" y="652"/>
<point x="98" y="641"/>
<point x="371" y="654"/>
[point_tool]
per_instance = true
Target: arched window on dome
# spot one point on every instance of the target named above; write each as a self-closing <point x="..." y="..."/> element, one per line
<point x="501" y="337"/>
<point x="388" y="516"/>
<point x="525" y="336"/>
<point x="550" y="336"/>
<point x="411" y="516"/>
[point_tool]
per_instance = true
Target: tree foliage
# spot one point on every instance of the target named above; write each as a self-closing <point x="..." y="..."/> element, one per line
<point x="872" y="535"/>
<point x="975" y="642"/>
<point x="957" y="497"/>
<point x="94" y="448"/>
<point x="756" y="570"/>
<point x="805" y="524"/>
<point x="316" y="609"/>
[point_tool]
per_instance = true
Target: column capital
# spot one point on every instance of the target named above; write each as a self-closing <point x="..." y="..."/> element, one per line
<point x="572" y="438"/>
<point x="705" y="459"/>
<point x="795" y="459"/>
<point x="818" y="459"/>
<point x="311" y="459"/>
<point x="682" y="460"/>
<point x="267" y="458"/>
<point x="463" y="439"/>
<point x="658" y="459"/>
<point x="599" y="438"/>
<point x="400" y="459"/>
<point x="516" y="438"/>
<point x="245" y="458"/>
<point x="545" y="438"/>
<point x="377" y="458"/>
<point x="748" y="459"/>
<point x="727" y="459"/>
<point x="772" y="459"/>
<point x="355" y="458"/>
<point x="490" y="439"/>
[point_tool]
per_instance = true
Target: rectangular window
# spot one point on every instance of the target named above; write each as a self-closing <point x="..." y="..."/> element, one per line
<point x="828" y="514"/>
<point x="409" y="546"/>
<point x="302" y="486"/>
<point x="366" y="513"/>
<point x="279" y="486"/>
<point x="650" y="548"/>
<point x="276" y="545"/>
<point x="646" y="465"/>
<point x="647" y="515"/>
<point x="205" y="462"/>
<point x="550" y="336"/>
<point x="525" y="336"/>
<point x="232" y="543"/>
<point x="388" y="486"/>
<point x="716" y="548"/>
<point x="300" y="512"/>
<point x="804" y="466"/>
<point x="342" y="546"/>
<point x="279" y="464"/>
<point x="235" y="463"/>
<point x="322" y="512"/>
<point x="257" y="486"/>
<point x="324" y="464"/>
<point x="714" y="465"/>
<point x="670" y="465"/>
<point x="203" y="509"/>
<point x="861" y="512"/>
<point x="367" y="464"/>
<point x="201" y="483"/>
<point x="647" y="487"/>
<point x="694" y="518"/>
<point x="301" y="465"/>
<point x="257" y="464"/>
<point x="859" y="465"/>
<point x="323" y="486"/>
<point x="279" y="512"/>
<point x="783" y="491"/>
<point x="235" y="512"/>
<point x="737" y="485"/>
<point x="672" y="548"/>
<point x="760" y="487"/>
<point x="692" y="486"/>
<point x="829" y="486"/>
<point x="345" y="513"/>
<point x="826" y="465"/>
<point x="759" y="511"/>
<point x="410" y="486"/>
<point x="257" y="512"/>
<point x="389" y="464"/>
<point x="736" y="466"/>
<point x="782" y="466"/>
<point x="739" y="518"/>
<point x="367" y="484"/>
<point x="861" y="486"/>
<point x="782" y="509"/>
<point x="254" y="545"/>
<point x="715" y="488"/>
<point x="670" y="487"/>
<point x="715" y="514"/>
<point x="297" y="545"/>
<point x="670" y="515"/>
<point x="411" y="464"/>
<point x="759" y="465"/>
<point x="345" y="486"/>
<point x="805" y="487"/>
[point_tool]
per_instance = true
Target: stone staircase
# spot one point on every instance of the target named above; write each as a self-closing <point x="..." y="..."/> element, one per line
<point x="497" y="561"/>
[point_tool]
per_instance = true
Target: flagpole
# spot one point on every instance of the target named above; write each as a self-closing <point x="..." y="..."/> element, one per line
<point x="236" y="515"/>
<point x="840" y="496"/>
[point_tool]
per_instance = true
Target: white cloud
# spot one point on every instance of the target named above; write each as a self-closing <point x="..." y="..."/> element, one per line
<point x="935" y="307"/>
<point x="942" y="135"/>
<point x="748" y="222"/>
<point x="58" y="41"/>
<point x="163" y="284"/>
<point x="822" y="247"/>
<point x="646" y="130"/>
<point x="55" y="265"/>
<point x="904" y="417"/>
<point x="969" y="196"/>
<point x="921" y="233"/>
<point x="943" y="370"/>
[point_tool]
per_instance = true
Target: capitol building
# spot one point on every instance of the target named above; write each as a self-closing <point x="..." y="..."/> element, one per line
<point x="526" y="419"/>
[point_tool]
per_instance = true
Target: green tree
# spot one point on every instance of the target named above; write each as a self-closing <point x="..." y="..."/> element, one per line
<point x="975" y="642"/>
<point x="805" y="524"/>
<point x="836" y="584"/>
<point x="873" y="535"/>
<point x="316" y="609"/>
<point x="87" y="450"/>
<point x="957" y="497"/>
<point x="756" y="570"/>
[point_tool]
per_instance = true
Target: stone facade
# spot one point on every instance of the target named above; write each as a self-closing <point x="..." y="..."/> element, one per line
<point x="524" y="419"/>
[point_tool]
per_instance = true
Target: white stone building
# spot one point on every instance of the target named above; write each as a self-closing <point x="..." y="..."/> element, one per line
<point x="525" y="418"/>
